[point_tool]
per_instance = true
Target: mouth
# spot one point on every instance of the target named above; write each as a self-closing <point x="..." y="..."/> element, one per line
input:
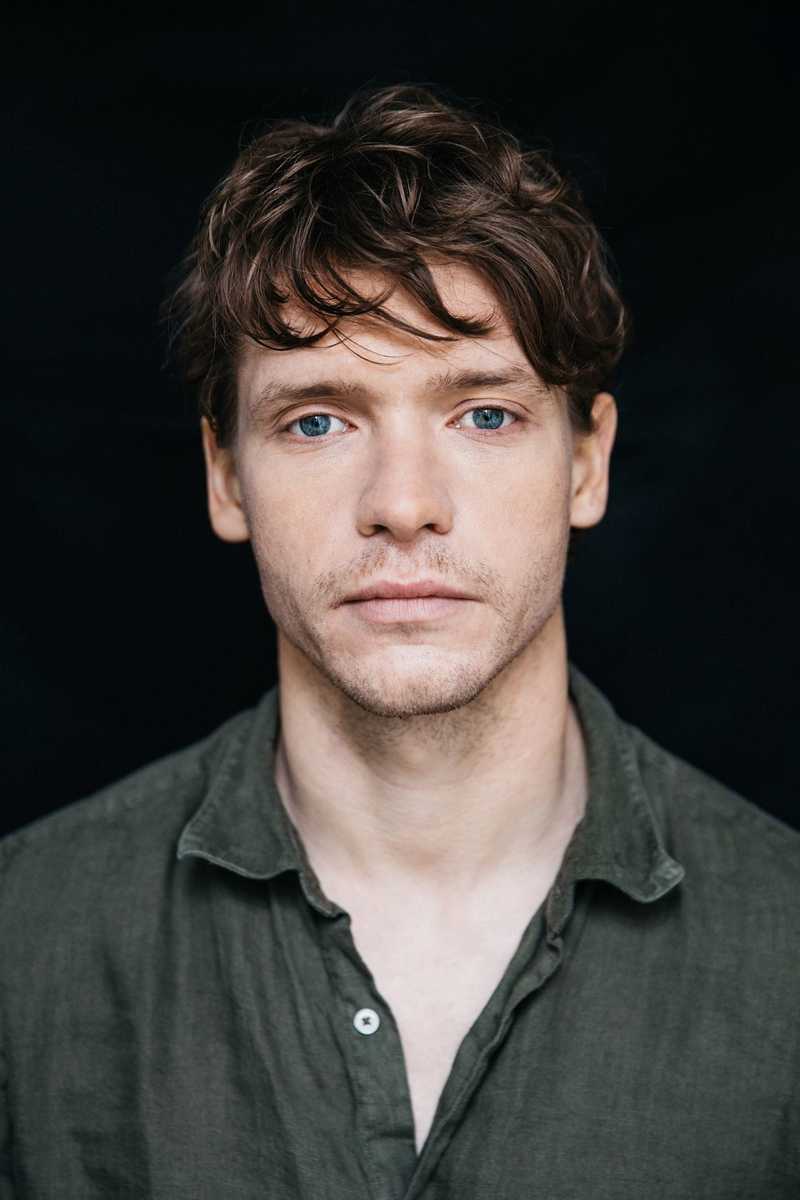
<point x="385" y="610"/>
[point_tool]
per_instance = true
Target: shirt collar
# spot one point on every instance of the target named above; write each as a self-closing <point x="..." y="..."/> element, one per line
<point x="243" y="825"/>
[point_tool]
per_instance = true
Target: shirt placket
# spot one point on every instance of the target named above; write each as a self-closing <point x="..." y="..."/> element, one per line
<point x="367" y="1033"/>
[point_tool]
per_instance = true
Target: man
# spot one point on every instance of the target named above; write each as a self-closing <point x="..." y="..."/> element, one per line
<point x="431" y="920"/>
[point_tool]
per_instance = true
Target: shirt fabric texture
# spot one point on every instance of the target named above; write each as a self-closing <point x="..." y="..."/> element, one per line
<point x="179" y="1000"/>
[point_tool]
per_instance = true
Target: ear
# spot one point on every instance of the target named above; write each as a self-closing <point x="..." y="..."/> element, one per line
<point x="224" y="498"/>
<point x="590" y="464"/>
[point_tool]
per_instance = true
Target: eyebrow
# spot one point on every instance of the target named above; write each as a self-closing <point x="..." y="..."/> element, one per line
<point x="274" y="392"/>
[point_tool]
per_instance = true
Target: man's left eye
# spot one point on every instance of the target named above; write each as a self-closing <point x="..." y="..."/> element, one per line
<point x="490" y="418"/>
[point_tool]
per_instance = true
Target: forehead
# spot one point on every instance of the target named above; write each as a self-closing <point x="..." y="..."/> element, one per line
<point x="368" y="352"/>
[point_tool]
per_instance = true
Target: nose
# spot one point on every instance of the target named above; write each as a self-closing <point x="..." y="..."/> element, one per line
<point x="407" y="487"/>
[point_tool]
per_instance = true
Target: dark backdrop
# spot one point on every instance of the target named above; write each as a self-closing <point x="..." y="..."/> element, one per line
<point x="129" y="630"/>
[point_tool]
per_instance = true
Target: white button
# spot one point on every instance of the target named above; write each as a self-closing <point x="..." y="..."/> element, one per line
<point x="366" y="1020"/>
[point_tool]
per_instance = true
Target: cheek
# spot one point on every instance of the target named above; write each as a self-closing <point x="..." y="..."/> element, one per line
<point x="289" y="528"/>
<point x="538" y="500"/>
<point x="524" y="507"/>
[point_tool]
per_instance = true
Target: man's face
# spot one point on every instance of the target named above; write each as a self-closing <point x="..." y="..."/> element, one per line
<point x="398" y="468"/>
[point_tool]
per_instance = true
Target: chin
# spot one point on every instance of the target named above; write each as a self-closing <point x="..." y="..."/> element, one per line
<point x="393" y="690"/>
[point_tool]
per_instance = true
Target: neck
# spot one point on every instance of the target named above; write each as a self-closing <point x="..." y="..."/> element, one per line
<point x="445" y="802"/>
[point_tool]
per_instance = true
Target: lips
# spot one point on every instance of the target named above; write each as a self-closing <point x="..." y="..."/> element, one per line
<point x="395" y="590"/>
<point x="409" y="609"/>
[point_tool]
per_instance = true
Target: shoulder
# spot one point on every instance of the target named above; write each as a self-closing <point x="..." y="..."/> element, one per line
<point x="727" y="844"/>
<point x="94" y="841"/>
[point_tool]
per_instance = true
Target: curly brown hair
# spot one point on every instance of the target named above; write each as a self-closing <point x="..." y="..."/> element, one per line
<point x="400" y="178"/>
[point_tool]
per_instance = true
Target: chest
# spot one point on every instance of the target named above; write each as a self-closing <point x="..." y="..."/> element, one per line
<point x="437" y="985"/>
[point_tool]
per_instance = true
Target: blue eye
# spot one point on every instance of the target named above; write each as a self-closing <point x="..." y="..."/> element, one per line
<point x="313" y="423"/>
<point x="493" y="425"/>
<point x="316" y="425"/>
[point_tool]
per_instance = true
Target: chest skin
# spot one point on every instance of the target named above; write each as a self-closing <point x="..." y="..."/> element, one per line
<point x="437" y="973"/>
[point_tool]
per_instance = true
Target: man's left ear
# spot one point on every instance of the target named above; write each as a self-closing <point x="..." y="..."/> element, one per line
<point x="590" y="464"/>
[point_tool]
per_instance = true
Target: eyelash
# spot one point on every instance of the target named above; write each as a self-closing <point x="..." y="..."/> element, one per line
<point x="518" y="420"/>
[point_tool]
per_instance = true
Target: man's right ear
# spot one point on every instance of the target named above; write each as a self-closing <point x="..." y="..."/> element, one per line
<point x="224" y="498"/>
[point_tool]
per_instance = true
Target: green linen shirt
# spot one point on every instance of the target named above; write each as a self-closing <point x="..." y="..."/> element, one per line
<point x="183" y="1008"/>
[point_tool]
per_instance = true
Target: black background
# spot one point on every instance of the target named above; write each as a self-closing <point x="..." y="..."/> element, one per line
<point x="129" y="630"/>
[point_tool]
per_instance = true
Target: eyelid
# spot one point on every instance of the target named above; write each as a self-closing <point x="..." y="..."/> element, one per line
<point x="504" y="408"/>
<point x="471" y="406"/>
